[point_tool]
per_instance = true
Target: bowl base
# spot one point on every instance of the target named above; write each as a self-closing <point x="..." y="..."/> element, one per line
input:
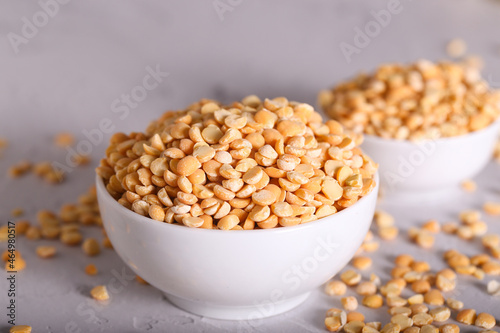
<point x="251" y="312"/>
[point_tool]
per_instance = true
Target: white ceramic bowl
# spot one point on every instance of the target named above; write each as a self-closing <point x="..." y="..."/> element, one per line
<point x="408" y="168"/>
<point x="241" y="274"/>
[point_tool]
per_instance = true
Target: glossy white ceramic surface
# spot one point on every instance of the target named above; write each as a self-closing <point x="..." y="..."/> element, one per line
<point x="431" y="166"/>
<point x="242" y="274"/>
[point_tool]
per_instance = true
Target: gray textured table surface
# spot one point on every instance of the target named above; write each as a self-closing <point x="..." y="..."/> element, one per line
<point x="67" y="73"/>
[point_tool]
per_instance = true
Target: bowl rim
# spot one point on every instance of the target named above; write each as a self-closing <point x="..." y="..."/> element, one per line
<point x="327" y="219"/>
<point x="450" y="139"/>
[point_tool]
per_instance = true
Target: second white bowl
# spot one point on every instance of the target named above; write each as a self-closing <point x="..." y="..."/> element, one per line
<point x="431" y="165"/>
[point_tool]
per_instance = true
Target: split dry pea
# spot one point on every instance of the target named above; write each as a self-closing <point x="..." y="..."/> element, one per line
<point x="64" y="139"/>
<point x="252" y="164"/>
<point x="91" y="269"/>
<point x="20" y="329"/>
<point x="430" y="307"/>
<point x="423" y="100"/>
<point x="46" y="251"/>
<point x="335" y="288"/>
<point x="91" y="247"/>
<point x="100" y="293"/>
<point x="456" y="48"/>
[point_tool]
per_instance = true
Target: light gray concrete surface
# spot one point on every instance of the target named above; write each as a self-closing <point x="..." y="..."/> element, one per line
<point x="69" y="73"/>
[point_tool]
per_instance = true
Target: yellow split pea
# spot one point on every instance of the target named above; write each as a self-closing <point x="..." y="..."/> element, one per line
<point x="251" y="164"/>
<point x="423" y="100"/>
<point x="20" y="329"/>
<point x="100" y="293"/>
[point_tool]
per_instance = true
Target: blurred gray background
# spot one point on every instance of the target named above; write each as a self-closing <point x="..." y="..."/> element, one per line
<point x="67" y="65"/>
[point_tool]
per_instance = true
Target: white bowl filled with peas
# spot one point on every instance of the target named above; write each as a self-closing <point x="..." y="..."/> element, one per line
<point x="186" y="204"/>
<point x="430" y="126"/>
